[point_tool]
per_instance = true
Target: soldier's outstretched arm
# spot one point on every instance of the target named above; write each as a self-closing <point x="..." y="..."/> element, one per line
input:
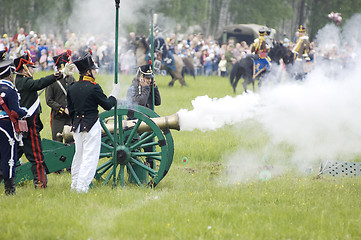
<point x="27" y="83"/>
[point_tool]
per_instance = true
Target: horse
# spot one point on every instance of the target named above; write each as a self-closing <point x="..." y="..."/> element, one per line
<point x="142" y="49"/>
<point x="244" y="67"/>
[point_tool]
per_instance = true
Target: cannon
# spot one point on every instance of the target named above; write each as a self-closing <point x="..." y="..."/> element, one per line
<point x="144" y="148"/>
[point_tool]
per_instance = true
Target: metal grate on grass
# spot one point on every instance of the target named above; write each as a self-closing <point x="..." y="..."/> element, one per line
<point x="343" y="169"/>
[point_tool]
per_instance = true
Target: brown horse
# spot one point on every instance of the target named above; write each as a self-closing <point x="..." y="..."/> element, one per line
<point x="142" y="48"/>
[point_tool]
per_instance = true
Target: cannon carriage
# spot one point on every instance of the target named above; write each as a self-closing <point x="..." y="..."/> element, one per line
<point x="141" y="152"/>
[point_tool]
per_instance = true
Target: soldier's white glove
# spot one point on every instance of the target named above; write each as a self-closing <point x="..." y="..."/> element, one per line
<point x="115" y="90"/>
<point x="68" y="69"/>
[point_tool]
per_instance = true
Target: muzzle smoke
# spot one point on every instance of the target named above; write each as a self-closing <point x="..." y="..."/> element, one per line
<point x="320" y="118"/>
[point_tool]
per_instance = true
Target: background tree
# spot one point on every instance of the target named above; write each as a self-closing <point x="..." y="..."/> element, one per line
<point x="208" y="16"/>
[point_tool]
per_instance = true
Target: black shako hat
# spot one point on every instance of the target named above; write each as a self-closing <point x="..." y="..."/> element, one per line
<point x="145" y="70"/>
<point x="262" y="31"/>
<point x="302" y="29"/>
<point x="23" y="60"/>
<point x="62" y="59"/>
<point x="85" y="63"/>
<point x="6" y="68"/>
<point x="3" y="54"/>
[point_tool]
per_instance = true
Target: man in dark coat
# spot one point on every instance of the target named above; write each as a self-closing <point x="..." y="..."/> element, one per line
<point x="55" y="96"/>
<point x="84" y="97"/>
<point x="28" y="89"/>
<point x="8" y="137"/>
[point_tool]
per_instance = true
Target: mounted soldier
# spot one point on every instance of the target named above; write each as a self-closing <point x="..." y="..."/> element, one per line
<point x="303" y="46"/>
<point x="161" y="51"/>
<point x="301" y="50"/>
<point x="260" y="49"/>
<point x="268" y="38"/>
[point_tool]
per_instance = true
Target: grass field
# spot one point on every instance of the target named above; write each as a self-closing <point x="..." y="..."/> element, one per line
<point x="205" y="198"/>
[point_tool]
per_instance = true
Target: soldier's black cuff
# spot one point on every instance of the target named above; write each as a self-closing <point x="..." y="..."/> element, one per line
<point x="58" y="75"/>
<point x="61" y="110"/>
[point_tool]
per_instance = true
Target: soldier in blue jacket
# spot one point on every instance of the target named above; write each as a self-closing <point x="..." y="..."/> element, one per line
<point x="84" y="97"/>
<point x="8" y="137"/>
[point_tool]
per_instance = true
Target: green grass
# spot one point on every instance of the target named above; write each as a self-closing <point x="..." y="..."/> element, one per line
<point x="195" y="200"/>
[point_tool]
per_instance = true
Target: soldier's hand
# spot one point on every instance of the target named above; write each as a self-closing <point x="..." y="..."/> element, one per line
<point x="115" y="90"/>
<point x="68" y="69"/>
<point x="144" y="82"/>
<point x="66" y="111"/>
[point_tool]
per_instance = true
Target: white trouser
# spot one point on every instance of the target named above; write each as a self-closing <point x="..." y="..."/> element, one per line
<point x="86" y="157"/>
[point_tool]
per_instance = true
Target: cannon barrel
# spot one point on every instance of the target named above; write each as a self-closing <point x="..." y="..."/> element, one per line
<point x="164" y="123"/>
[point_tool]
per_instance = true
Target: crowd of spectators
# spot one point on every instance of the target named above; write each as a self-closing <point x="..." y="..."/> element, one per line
<point x="209" y="57"/>
<point x="43" y="47"/>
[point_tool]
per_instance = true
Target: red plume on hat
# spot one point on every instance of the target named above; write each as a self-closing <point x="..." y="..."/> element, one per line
<point x="68" y="53"/>
<point x="62" y="58"/>
<point x="23" y="60"/>
<point x="90" y="51"/>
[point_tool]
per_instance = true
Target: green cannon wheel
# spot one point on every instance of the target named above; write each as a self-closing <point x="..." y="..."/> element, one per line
<point x="142" y="156"/>
<point x="167" y="133"/>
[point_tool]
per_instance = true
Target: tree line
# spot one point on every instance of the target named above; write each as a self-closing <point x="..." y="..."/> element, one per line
<point x="209" y="15"/>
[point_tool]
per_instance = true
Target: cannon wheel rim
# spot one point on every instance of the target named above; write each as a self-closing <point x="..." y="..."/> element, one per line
<point x="167" y="134"/>
<point x="112" y="169"/>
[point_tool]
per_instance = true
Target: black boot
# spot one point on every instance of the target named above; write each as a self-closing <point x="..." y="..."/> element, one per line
<point x="9" y="186"/>
<point x="38" y="183"/>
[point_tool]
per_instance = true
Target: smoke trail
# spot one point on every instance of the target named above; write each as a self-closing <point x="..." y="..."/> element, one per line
<point x="320" y="118"/>
<point x="98" y="16"/>
<point x="214" y="113"/>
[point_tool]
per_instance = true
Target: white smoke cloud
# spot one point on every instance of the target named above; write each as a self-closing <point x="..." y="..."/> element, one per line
<point x="215" y="113"/>
<point x="319" y="118"/>
<point x="98" y="16"/>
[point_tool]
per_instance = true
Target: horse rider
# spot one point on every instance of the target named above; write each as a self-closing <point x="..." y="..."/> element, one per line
<point x="268" y="38"/>
<point x="301" y="50"/>
<point x="161" y="48"/>
<point x="302" y="46"/>
<point x="260" y="49"/>
<point x="28" y="89"/>
<point x="9" y="104"/>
